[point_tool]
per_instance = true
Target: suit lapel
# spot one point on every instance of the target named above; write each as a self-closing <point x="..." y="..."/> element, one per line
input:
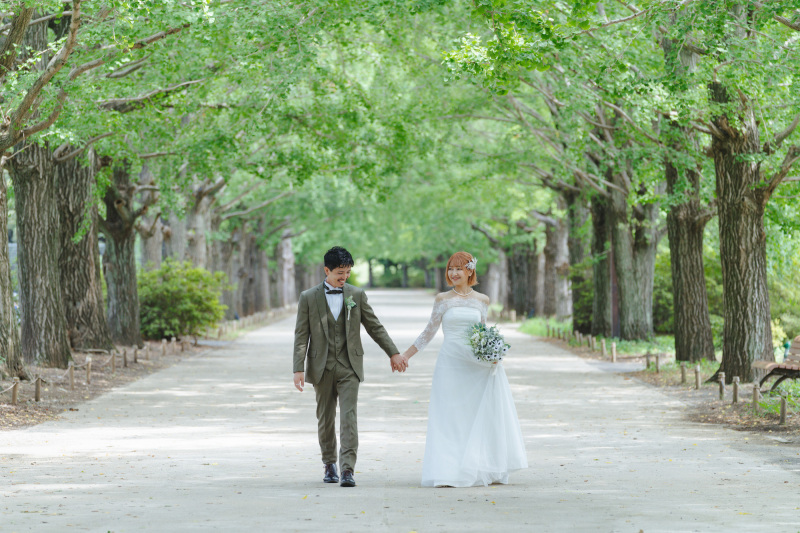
<point x="346" y="292"/>
<point x="322" y="309"/>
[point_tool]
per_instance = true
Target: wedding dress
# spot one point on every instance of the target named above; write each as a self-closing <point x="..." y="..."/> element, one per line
<point x="474" y="436"/>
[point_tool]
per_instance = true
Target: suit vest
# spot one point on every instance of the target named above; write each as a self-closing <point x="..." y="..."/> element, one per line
<point x="337" y="348"/>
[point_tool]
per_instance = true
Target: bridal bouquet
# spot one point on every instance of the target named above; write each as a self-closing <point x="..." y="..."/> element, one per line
<point x="487" y="343"/>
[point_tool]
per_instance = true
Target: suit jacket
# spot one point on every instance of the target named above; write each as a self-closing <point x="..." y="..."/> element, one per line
<point x="311" y="336"/>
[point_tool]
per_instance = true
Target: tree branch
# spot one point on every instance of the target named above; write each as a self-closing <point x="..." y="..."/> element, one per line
<point x="791" y="157"/>
<point x="8" y="53"/>
<point x="780" y="137"/>
<point x="126" y="105"/>
<point x="257" y="207"/>
<point x="60" y="159"/>
<point x="225" y="207"/>
<point x="486" y="234"/>
<point x="58" y="61"/>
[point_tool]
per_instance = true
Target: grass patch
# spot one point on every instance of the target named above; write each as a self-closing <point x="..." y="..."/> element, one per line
<point x="770" y="404"/>
<point x="538" y="326"/>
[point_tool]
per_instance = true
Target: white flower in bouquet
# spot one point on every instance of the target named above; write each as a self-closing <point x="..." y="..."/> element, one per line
<point x="487" y="343"/>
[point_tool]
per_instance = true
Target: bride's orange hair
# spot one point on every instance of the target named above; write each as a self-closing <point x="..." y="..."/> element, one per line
<point x="459" y="259"/>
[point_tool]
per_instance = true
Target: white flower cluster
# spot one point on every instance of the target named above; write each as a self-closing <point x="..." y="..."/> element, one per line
<point x="472" y="264"/>
<point x="487" y="343"/>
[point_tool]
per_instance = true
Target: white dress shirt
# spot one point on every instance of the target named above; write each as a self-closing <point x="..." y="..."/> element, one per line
<point x="335" y="301"/>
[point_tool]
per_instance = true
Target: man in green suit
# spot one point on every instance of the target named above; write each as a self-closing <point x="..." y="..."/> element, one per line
<point x="328" y="354"/>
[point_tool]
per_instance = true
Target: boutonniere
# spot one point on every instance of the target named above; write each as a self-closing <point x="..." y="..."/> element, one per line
<point x="349" y="303"/>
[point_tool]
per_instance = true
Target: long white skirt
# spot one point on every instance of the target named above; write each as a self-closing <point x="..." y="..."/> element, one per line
<point x="474" y="436"/>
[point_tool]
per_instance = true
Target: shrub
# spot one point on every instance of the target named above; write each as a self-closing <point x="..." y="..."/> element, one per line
<point x="178" y="300"/>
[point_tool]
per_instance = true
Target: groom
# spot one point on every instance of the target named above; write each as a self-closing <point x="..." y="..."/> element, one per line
<point x="327" y="338"/>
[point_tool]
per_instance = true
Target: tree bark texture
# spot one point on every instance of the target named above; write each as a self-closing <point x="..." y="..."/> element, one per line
<point x="580" y="270"/>
<point x="9" y="331"/>
<point x="522" y="278"/>
<point x="119" y="261"/>
<point x="175" y="238"/>
<point x="286" y="276"/>
<point x="635" y="242"/>
<point x="747" y="335"/>
<point x="602" y="324"/>
<point x="79" y="262"/>
<point x="44" y="326"/>
<point x="686" y="223"/>
<point x="558" y="300"/>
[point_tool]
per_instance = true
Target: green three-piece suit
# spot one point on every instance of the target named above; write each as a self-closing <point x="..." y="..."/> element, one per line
<point x="329" y="351"/>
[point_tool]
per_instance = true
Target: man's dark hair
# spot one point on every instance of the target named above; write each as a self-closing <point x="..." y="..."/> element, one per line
<point x="338" y="257"/>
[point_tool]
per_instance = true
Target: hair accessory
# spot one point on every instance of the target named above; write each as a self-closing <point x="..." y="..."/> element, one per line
<point x="472" y="263"/>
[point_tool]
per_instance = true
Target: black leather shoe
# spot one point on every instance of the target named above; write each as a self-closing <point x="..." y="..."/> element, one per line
<point x="330" y="474"/>
<point x="347" y="479"/>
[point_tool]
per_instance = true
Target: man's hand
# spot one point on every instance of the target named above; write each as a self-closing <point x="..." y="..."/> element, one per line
<point x="399" y="363"/>
<point x="299" y="380"/>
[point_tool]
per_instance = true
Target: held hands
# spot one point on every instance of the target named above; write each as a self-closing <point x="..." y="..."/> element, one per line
<point x="399" y="363"/>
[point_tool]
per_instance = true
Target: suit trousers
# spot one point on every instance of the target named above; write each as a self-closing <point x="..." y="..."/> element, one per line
<point x="340" y="383"/>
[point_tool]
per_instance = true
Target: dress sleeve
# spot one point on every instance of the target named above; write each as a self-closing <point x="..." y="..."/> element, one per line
<point x="484" y="313"/>
<point x="433" y="326"/>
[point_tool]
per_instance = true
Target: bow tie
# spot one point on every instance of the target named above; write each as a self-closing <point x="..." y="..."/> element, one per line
<point x="333" y="291"/>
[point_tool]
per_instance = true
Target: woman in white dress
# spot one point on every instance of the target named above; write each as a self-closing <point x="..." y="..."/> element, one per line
<point x="474" y="436"/>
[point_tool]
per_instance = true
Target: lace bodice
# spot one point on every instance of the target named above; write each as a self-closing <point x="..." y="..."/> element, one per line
<point x="440" y="307"/>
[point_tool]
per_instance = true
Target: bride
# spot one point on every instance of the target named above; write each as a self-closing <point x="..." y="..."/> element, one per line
<point x="474" y="436"/>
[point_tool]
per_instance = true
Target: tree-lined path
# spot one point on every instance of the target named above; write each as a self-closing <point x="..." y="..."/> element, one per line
<point x="223" y="442"/>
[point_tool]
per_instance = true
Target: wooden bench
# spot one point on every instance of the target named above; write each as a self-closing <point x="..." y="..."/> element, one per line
<point x="788" y="369"/>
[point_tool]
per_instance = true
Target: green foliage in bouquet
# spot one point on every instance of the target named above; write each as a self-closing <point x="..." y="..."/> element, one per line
<point x="179" y="300"/>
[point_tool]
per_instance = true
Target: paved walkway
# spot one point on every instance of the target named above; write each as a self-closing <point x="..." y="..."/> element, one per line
<point x="223" y="442"/>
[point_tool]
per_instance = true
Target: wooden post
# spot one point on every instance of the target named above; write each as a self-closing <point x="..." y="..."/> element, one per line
<point x="15" y="392"/>
<point x="174" y="346"/>
<point x="163" y="347"/>
<point x="88" y="370"/>
<point x="513" y="315"/>
<point x="124" y="358"/>
<point x="603" y="346"/>
<point x="183" y="345"/>
<point x="594" y="343"/>
<point x="37" y="395"/>
<point x="721" y="377"/>
<point x="658" y="363"/>
<point x="136" y="355"/>
<point x="613" y="352"/>
<point x="647" y="361"/>
<point x="71" y="376"/>
<point x="219" y="333"/>
<point x="735" y="389"/>
<point x="114" y="361"/>
<point x="756" y="394"/>
<point x="697" y="377"/>
<point x="147" y="351"/>
<point x="683" y="372"/>
<point x="783" y="408"/>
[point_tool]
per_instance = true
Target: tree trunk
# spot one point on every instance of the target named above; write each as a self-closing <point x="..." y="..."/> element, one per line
<point x="119" y="261"/>
<point x="197" y="226"/>
<point x="175" y="238"/>
<point x="152" y="243"/>
<point x="44" y="325"/>
<point x="602" y="324"/>
<point x="747" y="333"/>
<point x="497" y="279"/>
<point x="635" y="242"/>
<point x="248" y="265"/>
<point x="563" y="291"/>
<point x="550" y="253"/>
<point x="580" y="271"/>
<point x="539" y="292"/>
<point x="521" y="277"/>
<point x="9" y="330"/>
<point x="370" y="274"/>
<point x="685" y="227"/>
<point x="79" y="262"/>
<point x="227" y="254"/>
<point x="286" y="274"/>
